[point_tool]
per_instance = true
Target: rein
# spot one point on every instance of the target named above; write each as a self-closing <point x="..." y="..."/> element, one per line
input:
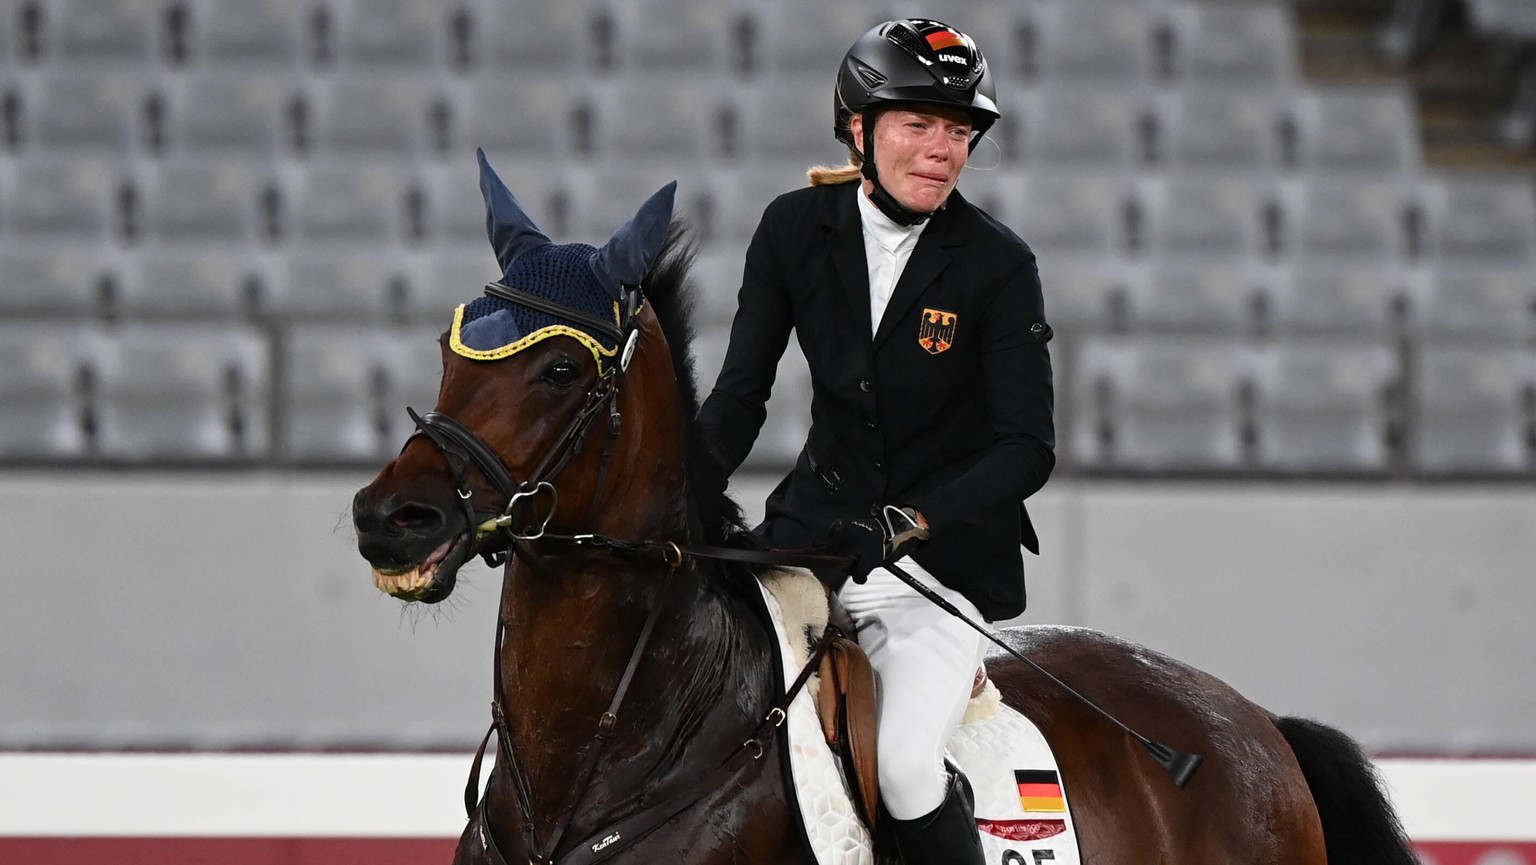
<point x="462" y="447"/>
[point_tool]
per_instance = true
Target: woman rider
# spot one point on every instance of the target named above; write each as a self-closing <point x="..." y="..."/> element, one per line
<point x="921" y="320"/>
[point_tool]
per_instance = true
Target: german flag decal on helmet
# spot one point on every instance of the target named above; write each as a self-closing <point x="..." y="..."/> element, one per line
<point x="946" y="38"/>
<point x="936" y="330"/>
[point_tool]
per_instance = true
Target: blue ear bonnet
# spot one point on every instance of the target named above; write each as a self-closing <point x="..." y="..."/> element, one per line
<point x="586" y="281"/>
<point x="558" y="272"/>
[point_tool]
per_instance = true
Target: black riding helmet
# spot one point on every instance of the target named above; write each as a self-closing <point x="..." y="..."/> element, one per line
<point x="904" y="61"/>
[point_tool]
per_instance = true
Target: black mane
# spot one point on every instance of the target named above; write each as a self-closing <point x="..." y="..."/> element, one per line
<point x="669" y="290"/>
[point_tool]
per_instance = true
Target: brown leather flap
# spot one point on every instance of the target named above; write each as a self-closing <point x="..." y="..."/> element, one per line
<point x="849" y="718"/>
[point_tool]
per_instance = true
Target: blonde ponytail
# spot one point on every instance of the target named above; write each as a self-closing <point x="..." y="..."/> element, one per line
<point x="826" y="175"/>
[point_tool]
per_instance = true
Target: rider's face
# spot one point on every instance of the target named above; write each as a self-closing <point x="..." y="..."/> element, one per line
<point x="919" y="151"/>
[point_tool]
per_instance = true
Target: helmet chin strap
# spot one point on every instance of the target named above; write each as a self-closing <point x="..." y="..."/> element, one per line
<point x="883" y="199"/>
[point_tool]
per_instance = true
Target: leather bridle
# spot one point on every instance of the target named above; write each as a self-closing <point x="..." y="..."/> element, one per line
<point x="463" y="448"/>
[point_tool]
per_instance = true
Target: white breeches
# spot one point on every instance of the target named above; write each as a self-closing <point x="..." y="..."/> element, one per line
<point x="925" y="661"/>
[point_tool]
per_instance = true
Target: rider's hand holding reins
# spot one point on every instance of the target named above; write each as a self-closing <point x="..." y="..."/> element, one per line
<point x="870" y="543"/>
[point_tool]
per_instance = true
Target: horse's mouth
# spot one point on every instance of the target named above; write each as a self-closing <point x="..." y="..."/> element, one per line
<point x="433" y="579"/>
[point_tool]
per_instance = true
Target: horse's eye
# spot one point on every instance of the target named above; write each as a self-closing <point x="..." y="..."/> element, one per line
<point x="562" y="373"/>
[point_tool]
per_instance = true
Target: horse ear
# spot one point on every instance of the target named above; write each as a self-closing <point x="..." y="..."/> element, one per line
<point x="511" y="230"/>
<point x="629" y="254"/>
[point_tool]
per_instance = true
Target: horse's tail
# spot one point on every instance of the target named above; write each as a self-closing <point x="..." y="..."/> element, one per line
<point x="1359" y="825"/>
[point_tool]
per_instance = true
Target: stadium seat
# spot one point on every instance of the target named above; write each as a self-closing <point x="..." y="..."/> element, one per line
<point x="652" y="118"/>
<point x="332" y="377"/>
<point x="1094" y="40"/>
<point x="533" y="36"/>
<point x="178" y="393"/>
<point x="187" y="281"/>
<point x="83" y="111"/>
<point x="250" y="33"/>
<point x="698" y="36"/>
<point x="248" y="114"/>
<point x="327" y="283"/>
<point x="783" y="119"/>
<point x="1252" y="44"/>
<point x="8" y="47"/>
<point x="604" y="197"/>
<point x="739" y="192"/>
<point x="1158" y="403"/>
<point x="371" y="114"/>
<point x="413" y="362"/>
<point x="390" y="34"/>
<point x="95" y="33"/>
<point x="448" y="276"/>
<point x="1220" y="128"/>
<point x="60" y="279"/>
<point x="1326" y="295"/>
<point x="532" y="119"/>
<point x="455" y="209"/>
<point x="1509" y="18"/>
<point x="799" y="36"/>
<point x="1479" y="218"/>
<point x="1324" y="216"/>
<point x="41" y="369"/>
<point x="1487" y="301"/>
<point x="1361" y="129"/>
<point x="1323" y="406"/>
<point x="717" y="275"/>
<point x="64" y="199"/>
<point x="194" y="201"/>
<point x="1081" y="291"/>
<point x="330" y="202"/>
<point x="1089" y="127"/>
<point x="1066" y="213"/>
<point x="1471" y="408"/>
<point x="1204" y="293"/>
<point x="1203" y="214"/>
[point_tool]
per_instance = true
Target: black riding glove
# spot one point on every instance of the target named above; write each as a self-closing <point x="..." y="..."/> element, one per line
<point x="861" y="540"/>
<point x="871" y="543"/>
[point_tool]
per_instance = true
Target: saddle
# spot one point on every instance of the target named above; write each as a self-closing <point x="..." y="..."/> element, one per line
<point x="847" y="705"/>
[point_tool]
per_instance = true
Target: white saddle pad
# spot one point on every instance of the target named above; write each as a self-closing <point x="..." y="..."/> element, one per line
<point x="1021" y="805"/>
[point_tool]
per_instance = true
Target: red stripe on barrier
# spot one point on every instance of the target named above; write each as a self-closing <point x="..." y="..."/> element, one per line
<point x="1474" y="853"/>
<point x="226" y="851"/>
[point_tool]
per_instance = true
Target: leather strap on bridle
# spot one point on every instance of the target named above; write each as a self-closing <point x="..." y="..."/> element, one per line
<point x="595" y="749"/>
<point x="616" y="837"/>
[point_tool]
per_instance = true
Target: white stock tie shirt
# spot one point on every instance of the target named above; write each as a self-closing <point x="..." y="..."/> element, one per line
<point x="887" y="246"/>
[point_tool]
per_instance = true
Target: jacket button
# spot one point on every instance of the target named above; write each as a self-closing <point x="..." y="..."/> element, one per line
<point x="879" y="466"/>
<point x="871" y="426"/>
<point x="865" y="385"/>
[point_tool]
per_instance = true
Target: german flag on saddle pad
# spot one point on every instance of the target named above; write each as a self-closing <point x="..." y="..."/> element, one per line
<point x="1040" y="790"/>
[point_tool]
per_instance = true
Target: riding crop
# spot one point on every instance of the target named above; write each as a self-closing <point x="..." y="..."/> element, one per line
<point x="1180" y="764"/>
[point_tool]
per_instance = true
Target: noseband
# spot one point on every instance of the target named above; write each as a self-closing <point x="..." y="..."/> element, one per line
<point x="462" y="447"/>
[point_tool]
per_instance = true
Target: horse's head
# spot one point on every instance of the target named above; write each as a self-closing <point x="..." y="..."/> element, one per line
<point x="526" y="435"/>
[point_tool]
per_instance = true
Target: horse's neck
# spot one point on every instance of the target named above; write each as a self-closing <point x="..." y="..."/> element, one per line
<point x="696" y="694"/>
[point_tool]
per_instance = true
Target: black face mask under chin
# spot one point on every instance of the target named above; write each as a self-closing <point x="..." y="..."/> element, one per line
<point x="882" y="198"/>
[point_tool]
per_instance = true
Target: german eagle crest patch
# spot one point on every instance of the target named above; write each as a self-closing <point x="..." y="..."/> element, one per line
<point x="936" y="330"/>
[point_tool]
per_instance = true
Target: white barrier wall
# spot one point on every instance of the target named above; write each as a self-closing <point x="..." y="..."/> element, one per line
<point x="365" y="796"/>
<point x="231" y="610"/>
<point x="275" y="809"/>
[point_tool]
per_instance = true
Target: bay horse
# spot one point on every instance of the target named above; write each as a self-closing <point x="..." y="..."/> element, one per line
<point x="577" y="428"/>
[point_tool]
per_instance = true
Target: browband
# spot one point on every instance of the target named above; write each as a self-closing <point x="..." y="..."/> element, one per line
<point x="591" y="322"/>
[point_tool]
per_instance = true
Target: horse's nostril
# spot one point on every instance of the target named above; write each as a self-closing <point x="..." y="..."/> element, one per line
<point x="416" y="518"/>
